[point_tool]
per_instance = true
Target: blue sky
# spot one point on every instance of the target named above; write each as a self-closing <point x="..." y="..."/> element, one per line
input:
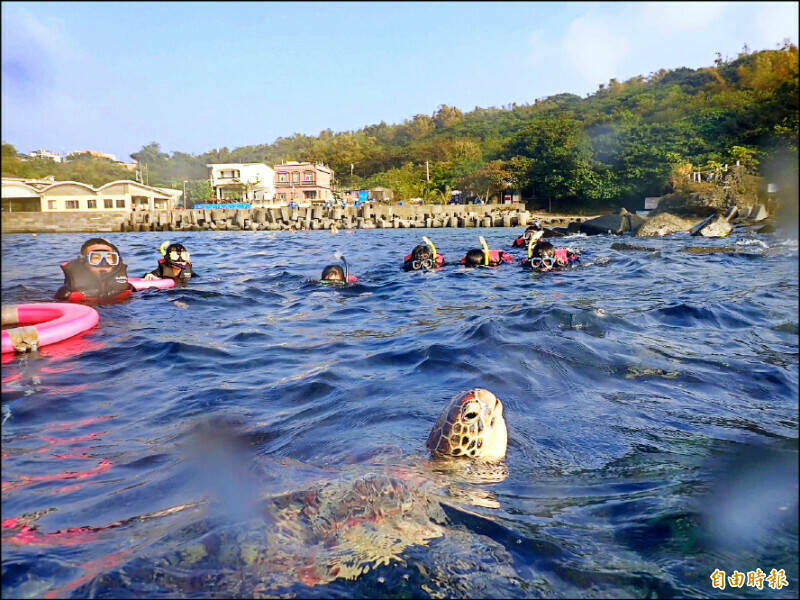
<point x="114" y="76"/>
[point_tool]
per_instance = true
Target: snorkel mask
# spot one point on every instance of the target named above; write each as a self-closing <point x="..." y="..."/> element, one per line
<point x="175" y="258"/>
<point x="338" y="256"/>
<point x="485" y="251"/>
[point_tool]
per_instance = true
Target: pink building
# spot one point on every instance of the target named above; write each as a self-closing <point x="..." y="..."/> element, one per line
<point x="303" y="183"/>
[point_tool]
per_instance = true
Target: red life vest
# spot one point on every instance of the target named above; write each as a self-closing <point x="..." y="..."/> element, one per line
<point x="565" y="256"/>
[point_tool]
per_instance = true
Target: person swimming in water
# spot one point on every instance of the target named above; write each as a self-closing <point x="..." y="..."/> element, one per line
<point x="98" y="275"/>
<point x="532" y="231"/>
<point x="176" y="264"/>
<point x="545" y="257"/>
<point x="337" y="274"/>
<point x="423" y="257"/>
<point x="478" y="257"/>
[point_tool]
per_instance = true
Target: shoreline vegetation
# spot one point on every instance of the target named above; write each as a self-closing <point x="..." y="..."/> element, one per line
<point x="627" y="141"/>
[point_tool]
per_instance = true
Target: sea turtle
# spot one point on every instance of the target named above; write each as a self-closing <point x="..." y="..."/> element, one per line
<point x="348" y="524"/>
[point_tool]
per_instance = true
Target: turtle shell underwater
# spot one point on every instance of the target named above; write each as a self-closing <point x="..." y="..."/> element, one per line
<point x="350" y="523"/>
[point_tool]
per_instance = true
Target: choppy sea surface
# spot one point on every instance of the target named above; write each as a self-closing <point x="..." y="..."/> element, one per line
<point x="223" y="438"/>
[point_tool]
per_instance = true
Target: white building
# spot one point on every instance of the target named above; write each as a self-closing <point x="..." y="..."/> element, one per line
<point x="46" y="154"/>
<point x="252" y="182"/>
<point x="36" y="195"/>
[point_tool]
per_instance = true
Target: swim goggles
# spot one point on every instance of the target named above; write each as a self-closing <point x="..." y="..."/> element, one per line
<point x="538" y="261"/>
<point x="96" y="257"/>
<point x="418" y="264"/>
<point x="184" y="256"/>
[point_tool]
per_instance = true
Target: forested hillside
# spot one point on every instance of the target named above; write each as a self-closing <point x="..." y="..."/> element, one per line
<point x="611" y="148"/>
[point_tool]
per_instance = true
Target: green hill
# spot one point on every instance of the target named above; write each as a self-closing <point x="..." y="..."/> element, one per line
<point x="609" y="149"/>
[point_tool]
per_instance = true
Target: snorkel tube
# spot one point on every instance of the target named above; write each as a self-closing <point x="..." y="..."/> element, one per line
<point x="341" y="257"/>
<point x="432" y="247"/>
<point x="163" y="248"/>
<point x="485" y="251"/>
<point x="533" y="241"/>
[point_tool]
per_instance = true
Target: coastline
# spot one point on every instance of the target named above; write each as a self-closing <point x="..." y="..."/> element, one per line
<point x="278" y="219"/>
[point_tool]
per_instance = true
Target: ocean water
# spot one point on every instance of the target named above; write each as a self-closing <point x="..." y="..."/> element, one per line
<point x="206" y="441"/>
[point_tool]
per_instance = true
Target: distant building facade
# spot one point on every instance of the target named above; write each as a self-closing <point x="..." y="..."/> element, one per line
<point x="96" y="154"/>
<point x="36" y="195"/>
<point x="303" y="183"/>
<point x="252" y="182"/>
<point x="46" y="154"/>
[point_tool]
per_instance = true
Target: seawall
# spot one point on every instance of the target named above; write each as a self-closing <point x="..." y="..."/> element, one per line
<point x="275" y="219"/>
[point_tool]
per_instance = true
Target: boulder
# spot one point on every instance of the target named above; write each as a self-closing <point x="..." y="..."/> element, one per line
<point x="718" y="227"/>
<point x="663" y="224"/>
<point x="620" y="223"/>
<point x="550" y="232"/>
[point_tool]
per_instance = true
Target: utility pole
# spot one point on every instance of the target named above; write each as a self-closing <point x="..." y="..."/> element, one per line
<point x="183" y="199"/>
<point x="427" y="173"/>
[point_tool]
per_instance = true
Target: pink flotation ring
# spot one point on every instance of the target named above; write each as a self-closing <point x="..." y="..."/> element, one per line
<point x="44" y="323"/>
<point x="143" y="284"/>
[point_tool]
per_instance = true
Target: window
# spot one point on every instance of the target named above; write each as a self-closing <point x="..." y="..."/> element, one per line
<point x="308" y="176"/>
<point x="283" y="177"/>
<point x="108" y="203"/>
<point x="91" y="204"/>
<point x="296" y="177"/>
<point x="120" y="203"/>
<point x="310" y="195"/>
<point x="51" y="205"/>
<point x="74" y="204"/>
<point x="281" y="196"/>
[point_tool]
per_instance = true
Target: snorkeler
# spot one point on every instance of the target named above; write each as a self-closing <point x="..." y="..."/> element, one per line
<point x="97" y="275"/>
<point x="544" y="257"/>
<point x="336" y="274"/>
<point x="532" y="231"/>
<point x="484" y="257"/>
<point x="424" y="256"/>
<point x="176" y="264"/>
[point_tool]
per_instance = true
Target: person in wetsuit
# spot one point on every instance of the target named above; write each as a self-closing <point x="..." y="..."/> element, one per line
<point x="176" y="264"/>
<point x="98" y="275"/>
<point x="534" y="230"/>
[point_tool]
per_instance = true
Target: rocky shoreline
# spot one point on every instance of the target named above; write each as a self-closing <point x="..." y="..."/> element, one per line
<point x="320" y="218"/>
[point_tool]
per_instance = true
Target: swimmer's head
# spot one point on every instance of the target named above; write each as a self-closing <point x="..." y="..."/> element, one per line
<point x="474" y="258"/>
<point x="421" y="258"/>
<point x="101" y="255"/>
<point x="176" y="255"/>
<point x="546" y="255"/>
<point x="333" y="273"/>
<point x="421" y="252"/>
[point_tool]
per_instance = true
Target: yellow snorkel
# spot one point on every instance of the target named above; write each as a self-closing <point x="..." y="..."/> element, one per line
<point x="532" y="243"/>
<point x="164" y="248"/>
<point x="485" y="251"/>
<point x="430" y="243"/>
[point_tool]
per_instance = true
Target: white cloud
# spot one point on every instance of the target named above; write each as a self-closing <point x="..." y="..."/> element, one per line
<point x="669" y="18"/>
<point x="594" y="49"/>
